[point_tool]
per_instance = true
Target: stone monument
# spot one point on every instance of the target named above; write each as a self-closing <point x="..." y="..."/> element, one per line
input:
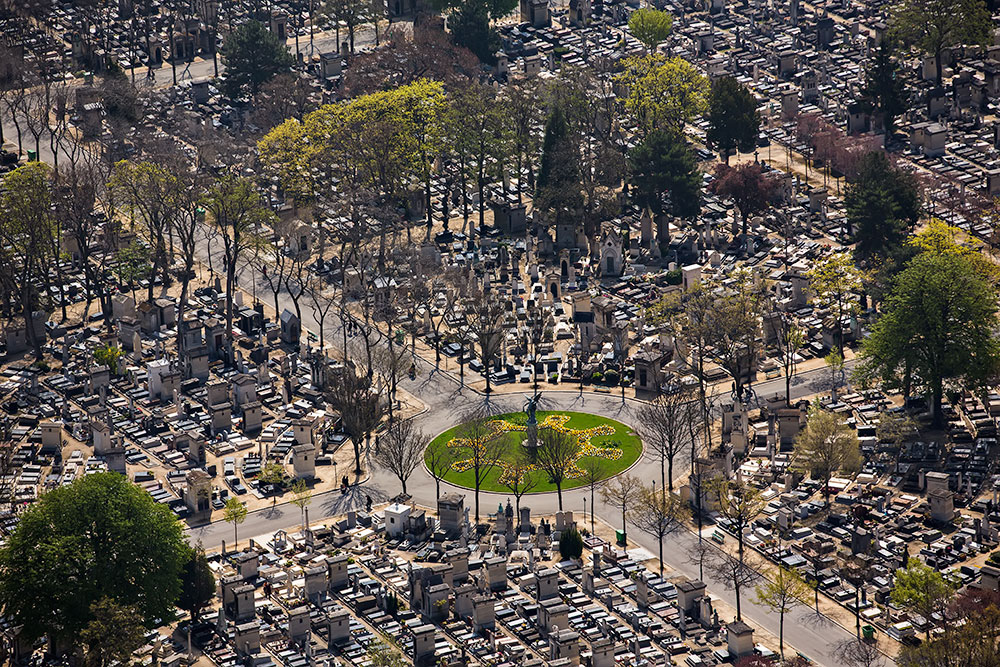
<point x="530" y="407"/>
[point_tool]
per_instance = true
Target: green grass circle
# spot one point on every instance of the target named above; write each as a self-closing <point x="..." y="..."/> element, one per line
<point x="628" y="442"/>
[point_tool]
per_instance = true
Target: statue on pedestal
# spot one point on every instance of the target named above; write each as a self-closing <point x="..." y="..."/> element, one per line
<point x="530" y="407"/>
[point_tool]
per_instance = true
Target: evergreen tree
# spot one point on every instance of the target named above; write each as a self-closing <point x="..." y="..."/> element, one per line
<point x="733" y="120"/>
<point x="883" y="204"/>
<point x="253" y="56"/>
<point x="470" y="27"/>
<point x="884" y="91"/>
<point x="558" y="185"/>
<point x="662" y="163"/>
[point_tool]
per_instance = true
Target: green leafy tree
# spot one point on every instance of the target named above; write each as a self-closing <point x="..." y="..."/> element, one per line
<point x="272" y="473"/>
<point x="386" y="656"/>
<point x="662" y="92"/>
<point x="197" y="584"/>
<point x="99" y="537"/>
<point x="558" y="189"/>
<point x="835" y="283"/>
<point x="114" y="632"/>
<point x="733" y="119"/>
<point x="935" y="25"/>
<point x="883" y="204"/>
<point x="253" y="56"/>
<point x="922" y="589"/>
<point x="108" y="355"/>
<point x="238" y="214"/>
<point x="650" y="26"/>
<point x="938" y="327"/>
<point x="132" y="264"/>
<point x="27" y="235"/>
<point x="570" y="544"/>
<point x="780" y="594"/>
<point x="302" y="496"/>
<point x="749" y="187"/>
<point x="235" y="512"/>
<point x="884" y="90"/>
<point x="663" y="164"/>
<point x="826" y="446"/>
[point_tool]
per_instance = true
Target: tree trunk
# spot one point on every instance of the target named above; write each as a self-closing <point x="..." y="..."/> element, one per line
<point x="937" y="394"/>
<point x="559" y="494"/>
<point x="781" y="634"/>
<point x="736" y="588"/>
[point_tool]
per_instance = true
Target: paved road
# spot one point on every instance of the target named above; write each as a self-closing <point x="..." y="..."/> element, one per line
<point x="446" y="401"/>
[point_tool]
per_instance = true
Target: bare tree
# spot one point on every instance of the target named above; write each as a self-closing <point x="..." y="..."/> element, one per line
<point x="737" y="573"/>
<point x="485" y="315"/>
<point x="595" y="474"/>
<point x="356" y="398"/>
<point x="401" y="449"/>
<point x="740" y="504"/>
<point x="859" y="653"/>
<point x="485" y="447"/>
<point x="622" y="492"/>
<point x="658" y="515"/>
<point x="664" y="425"/>
<point x="519" y="477"/>
<point x="556" y="457"/>
<point x="440" y="458"/>
<point x="735" y="323"/>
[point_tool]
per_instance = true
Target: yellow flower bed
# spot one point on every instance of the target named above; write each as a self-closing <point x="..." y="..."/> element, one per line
<point x="500" y="427"/>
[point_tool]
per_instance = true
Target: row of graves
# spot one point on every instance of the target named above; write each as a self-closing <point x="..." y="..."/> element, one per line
<point x="930" y="500"/>
<point x="423" y="583"/>
<point x="168" y="412"/>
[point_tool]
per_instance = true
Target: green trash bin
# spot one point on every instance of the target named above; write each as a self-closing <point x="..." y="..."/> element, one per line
<point x="32" y="156"/>
<point x="620" y="536"/>
<point x="868" y="632"/>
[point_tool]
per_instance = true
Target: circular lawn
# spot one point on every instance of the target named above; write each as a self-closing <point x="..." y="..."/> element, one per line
<point x="596" y="436"/>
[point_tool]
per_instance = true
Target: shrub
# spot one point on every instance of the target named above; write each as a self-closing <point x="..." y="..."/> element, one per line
<point x="674" y="277"/>
<point x="611" y="377"/>
<point x="570" y="544"/>
<point x="597" y="377"/>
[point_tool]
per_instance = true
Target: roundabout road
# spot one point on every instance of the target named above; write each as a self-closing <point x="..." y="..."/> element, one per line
<point x="446" y="401"/>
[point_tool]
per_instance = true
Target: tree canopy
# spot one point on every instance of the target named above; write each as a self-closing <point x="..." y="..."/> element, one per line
<point x="884" y="90"/>
<point x="650" y="26"/>
<point x="733" y="119"/>
<point x="826" y="446"/>
<point x="663" y="164"/>
<point x="883" y="204"/>
<point x="748" y="185"/>
<point x="252" y="55"/>
<point x="558" y="187"/>
<point x="921" y="589"/>
<point x="99" y="537"/>
<point x="935" y="25"/>
<point x="662" y="92"/>
<point x="937" y="331"/>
